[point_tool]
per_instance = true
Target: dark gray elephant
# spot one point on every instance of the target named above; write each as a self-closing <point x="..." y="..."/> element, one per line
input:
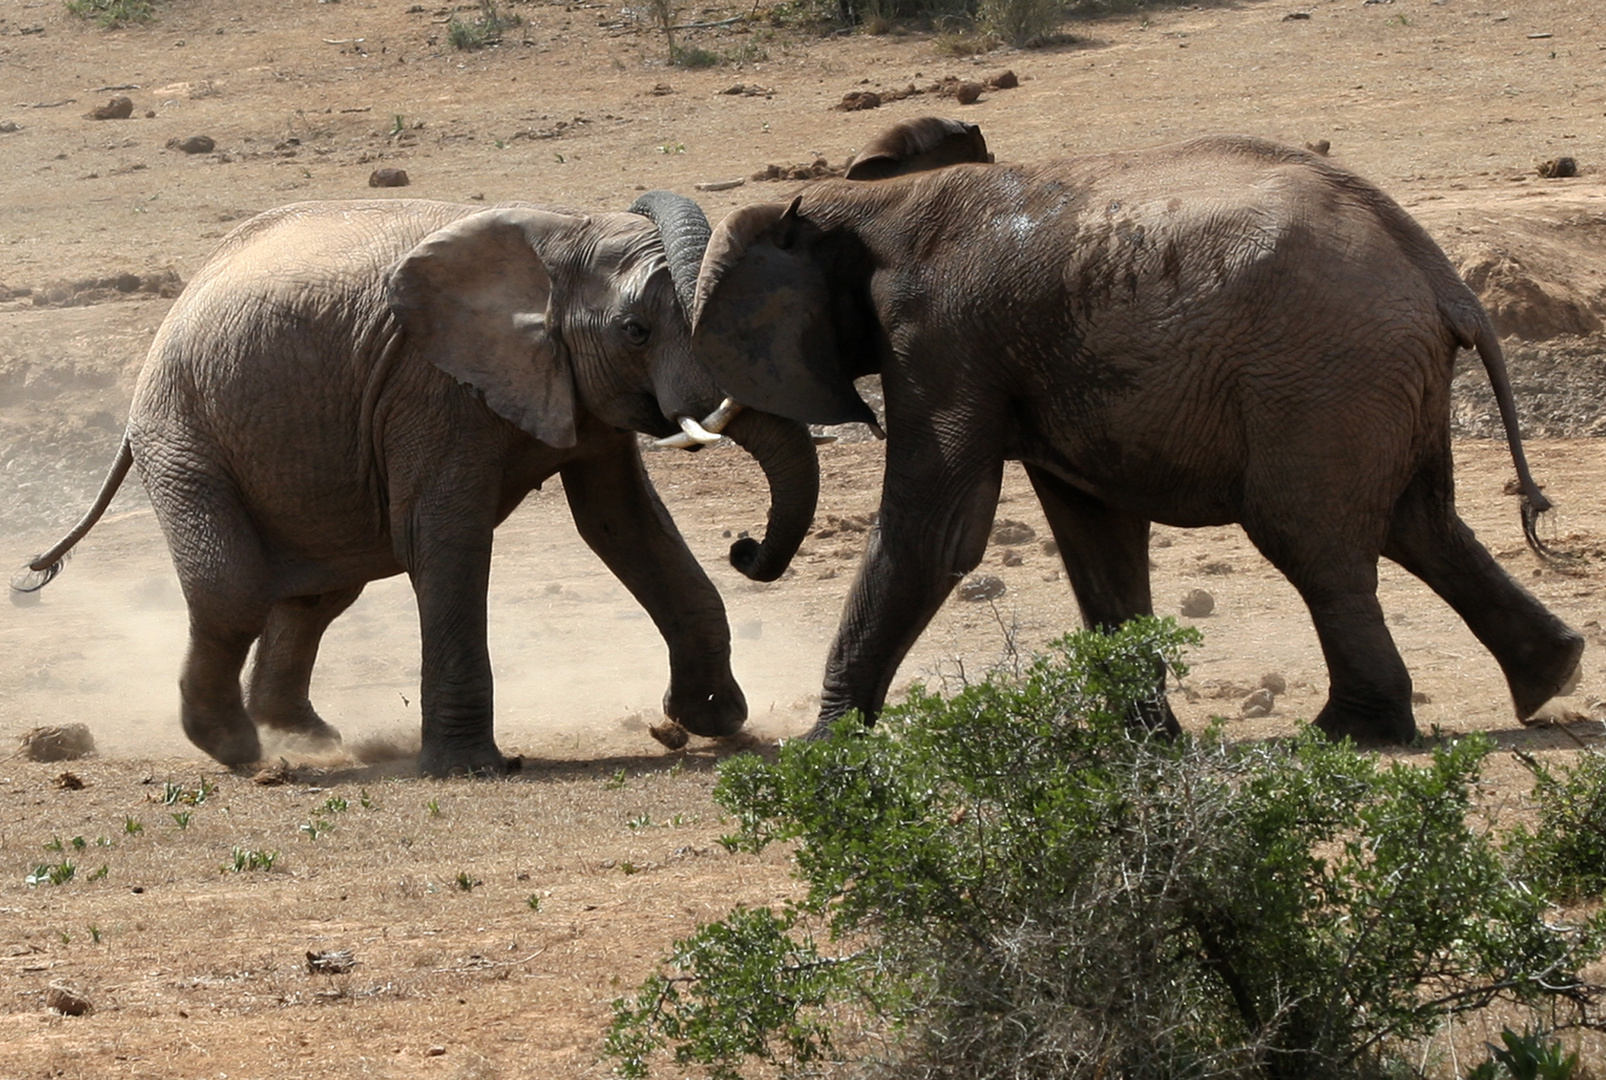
<point x="352" y="390"/>
<point x="1227" y="330"/>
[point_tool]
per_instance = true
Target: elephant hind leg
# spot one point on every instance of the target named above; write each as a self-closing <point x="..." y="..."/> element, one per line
<point x="1106" y="557"/>
<point x="281" y="673"/>
<point x="1334" y="567"/>
<point x="1538" y="653"/>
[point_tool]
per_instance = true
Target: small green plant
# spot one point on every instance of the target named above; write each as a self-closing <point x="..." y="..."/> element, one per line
<point x="177" y="794"/>
<point x="181" y="818"/>
<point x="365" y="800"/>
<point x="533" y="902"/>
<point x="316" y="827"/>
<point x="466" y="882"/>
<point x="334" y="804"/>
<point x="1529" y="1056"/>
<point x="1566" y="850"/>
<point x="482" y="31"/>
<point x="433" y="808"/>
<point x="627" y="867"/>
<point x="132" y="826"/>
<point x="52" y="873"/>
<point x="55" y="844"/>
<point x="398" y="125"/>
<point x="113" y="13"/>
<point x="78" y="843"/>
<point x="694" y="57"/>
<point x="100" y="875"/>
<point x="105" y="841"/>
<point x="672" y="148"/>
<point x="1033" y="888"/>
<point x="642" y="820"/>
<point x="94" y="933"/>
<point x="616" y="781"/>
<point x="244" y="859"/>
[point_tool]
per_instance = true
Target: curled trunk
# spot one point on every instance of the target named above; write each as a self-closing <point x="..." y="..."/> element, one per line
<point x="785" y="451"/>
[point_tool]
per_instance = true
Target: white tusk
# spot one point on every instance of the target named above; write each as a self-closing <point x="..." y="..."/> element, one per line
<point x="695" y="431"/>
<point x="716" y="420"/>
<point x="682" y="441"/>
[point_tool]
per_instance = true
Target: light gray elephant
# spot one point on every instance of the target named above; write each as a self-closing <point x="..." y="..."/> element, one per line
<point x="1226" y="330"/>
<point x="351" y="390"/>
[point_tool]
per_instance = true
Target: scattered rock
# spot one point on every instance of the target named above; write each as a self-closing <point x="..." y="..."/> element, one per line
<point x="1011" y="557"/>
<point x="1216" y="568"/>
<point x="69" y="782"/>
<point x="1050" y="548"/>
<point x="1012" y="532"/>
<point x="388" y="177"/>
<point x="330" y="962"/>
<point x="120" y="107"/>
<point x="660" y="89"/>
<point x="1296" y="16"/>
<point x="859" y="100"/>
<point x="814" y="170"/>
<point x="1320" y="147"/>
<point x="1558" y="168"/>
<point x="1004" y="80"/>
<point x="968" y="93"/>
<point x="670" y="734"/>
<point x="67" y="742"/>
<point x="1197" y="604"/>
<point x="63" y="999"/>
<point x="1257" y="704"/>
<point x="8" y="126"/>
<point x="979" y="587"/>
<point x="1420" y="698"/>
<point x="1274" y="682"/>
<point x="194" y="144"/>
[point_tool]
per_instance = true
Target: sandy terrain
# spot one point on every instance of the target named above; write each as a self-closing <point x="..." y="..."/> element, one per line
<point x="197" y="971"/>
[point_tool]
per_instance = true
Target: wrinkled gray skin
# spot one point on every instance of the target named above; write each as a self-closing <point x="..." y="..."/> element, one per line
<point x="348" y="391"/>
<point x="1226" y="330"/>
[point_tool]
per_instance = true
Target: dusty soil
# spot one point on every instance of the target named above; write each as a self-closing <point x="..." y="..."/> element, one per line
<point x="195" y="970"/>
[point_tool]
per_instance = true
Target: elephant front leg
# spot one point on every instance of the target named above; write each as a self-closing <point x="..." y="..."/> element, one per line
<point x="937" y="509"/>
<point x="450" y="568"/>
<point x="281" y="674"/>
<point x="620" y="516"/>
<point x="1106" y="557"/>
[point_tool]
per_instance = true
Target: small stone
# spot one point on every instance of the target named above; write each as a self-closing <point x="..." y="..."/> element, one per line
<point x="330" y="962"/>
<point x="275" y="775"/>
<point x="67" y="742"/>
<point x="388" y="177"/>
<point x="1011" y="557"/>
<point x="435" y="1051"/>
<point x="1004" y="80"/>
<point x="1420" y="698"/>
<point x="1257" y="704"/>
<point x="968" y="93"/>
<point x="1050" y="548"/>
<point x="1197" y="604"/>
<point x="8" y="126"/>
<point x="1321" y="147"/>
<point x="120" y="107"/>
<point x="1558" y="168"/>
<point x="859" y="100"/>
<point x="670" y="734"/>
<point x="1013" y="532"/>
<point x="67" y="1001"/>
<point x="979" y="587"/>
<point x="194" y="144"/>
<point x="1274" y="682"/>
<point x="69" y="782"/>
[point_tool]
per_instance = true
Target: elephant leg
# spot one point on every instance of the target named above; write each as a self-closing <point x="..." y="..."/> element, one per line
<point x="1334" y="567"/>
<point x="225" y="580"/>
<point x="1537" y="651"/>
<point x="620" y="516"/>
<point x="282" y="670"/>
<point x="937" y="508"/>
<point x="445" y="545"/>
<point x="1106" y="557"/>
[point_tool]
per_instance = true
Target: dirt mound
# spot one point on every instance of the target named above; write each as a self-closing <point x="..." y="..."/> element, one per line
<point x="1524" y="305"/>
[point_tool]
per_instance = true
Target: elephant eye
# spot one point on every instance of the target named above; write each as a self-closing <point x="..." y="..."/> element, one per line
<point x="635" y="330"/>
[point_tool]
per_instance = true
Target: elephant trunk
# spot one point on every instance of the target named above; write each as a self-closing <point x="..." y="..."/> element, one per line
<point x="685" y="231"/>
<point x="785" y="451"/>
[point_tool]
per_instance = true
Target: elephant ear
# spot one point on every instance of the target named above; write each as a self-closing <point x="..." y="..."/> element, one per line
<point x="925" y="142"/>
<point x="762" y="320"/>
<point x="474" y="297"/>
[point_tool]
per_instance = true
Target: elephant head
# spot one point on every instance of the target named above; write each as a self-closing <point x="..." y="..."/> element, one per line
<point x="550" y="315"/>
<point x="926" y="142"/>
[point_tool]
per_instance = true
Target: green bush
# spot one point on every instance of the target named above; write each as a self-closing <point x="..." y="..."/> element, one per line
<point x="1566" y="852"/>
<point x="1035" y="889"/>
<point x="471" y="34"/>
<point x="113" y="13"/>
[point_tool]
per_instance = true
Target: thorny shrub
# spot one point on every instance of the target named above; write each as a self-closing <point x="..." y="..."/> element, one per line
<point x="1016" y="883"/>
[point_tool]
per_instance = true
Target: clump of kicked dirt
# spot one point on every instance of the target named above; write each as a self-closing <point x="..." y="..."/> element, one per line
<point x="66" y="742"/>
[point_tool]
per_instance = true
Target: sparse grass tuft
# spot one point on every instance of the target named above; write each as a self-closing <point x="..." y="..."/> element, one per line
<point x="113" y="13"/>
<point x="482" y="31"/>
<point x="245" y="859"/>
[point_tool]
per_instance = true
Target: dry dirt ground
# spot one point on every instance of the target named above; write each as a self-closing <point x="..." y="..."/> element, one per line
<point x="491" y="923"/>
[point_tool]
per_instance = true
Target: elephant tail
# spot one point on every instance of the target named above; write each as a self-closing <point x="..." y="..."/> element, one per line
<point x="1478" y="333"/>
<point x="42" y="569"/>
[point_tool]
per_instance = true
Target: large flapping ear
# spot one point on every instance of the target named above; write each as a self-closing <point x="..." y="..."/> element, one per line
<point x="762" y="321"/>
<point x="473" y="298"/>
<point x="926" y="142"/>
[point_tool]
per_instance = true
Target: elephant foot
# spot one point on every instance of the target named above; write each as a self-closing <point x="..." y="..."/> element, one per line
<point x="1559" y="676"/>
<point x="1380" y="723"/>
<point x="301" y="725"/>
<point x="715" y="715"/>
<point x="476" y="759"/>
<point x="232" y="744"/>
